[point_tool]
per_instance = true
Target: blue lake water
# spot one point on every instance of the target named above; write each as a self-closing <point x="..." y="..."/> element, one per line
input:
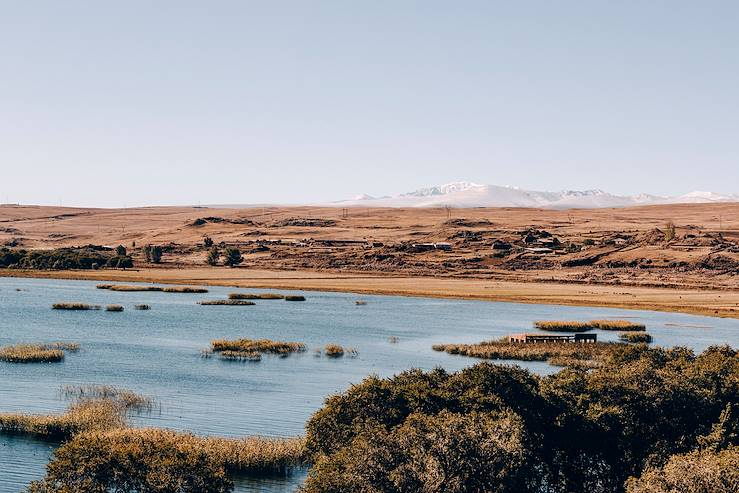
<point x="156" y="352"/>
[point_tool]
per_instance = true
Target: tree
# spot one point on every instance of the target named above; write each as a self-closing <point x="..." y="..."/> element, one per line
<point x="233" y="257"/>
<point x="213" y="256"/>
<point x="155" y="252"/>
<point x="207" y="242"/>
<point x="120" y="251"/>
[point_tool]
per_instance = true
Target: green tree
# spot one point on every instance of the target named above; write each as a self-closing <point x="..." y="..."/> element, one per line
<point x="207" y="242"/>
<point x="214" y="255"/>
<point x="155" y="254"/>
<point x="120" y="251"/>
<point x="233" y="257"/>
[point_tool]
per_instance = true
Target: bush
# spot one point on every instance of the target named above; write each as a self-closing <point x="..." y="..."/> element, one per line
<point x="120" y="250"/>
<point x="214" y="255"/>
<point x="59" y="259"/>
<point x="207" y="242"/>
<point x="233" y="257"/>
<point x="573" y="432"/>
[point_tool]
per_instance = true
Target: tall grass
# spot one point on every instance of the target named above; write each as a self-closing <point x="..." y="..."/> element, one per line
<point x="556" y="353"/>
<point x="579" y="326"/>
<point x="74" y="306"/>
<point x="31" y="353"/>
<point x="172" y="289"/>
<point x="252" y="296"/>
<point x="257" y="346"/>
<point x="114" y="308"/>
<point x="229" y="355"/>
<point x="635" y="337"/>
<point x="127" y="399"/>
<point x="226" y="303"/>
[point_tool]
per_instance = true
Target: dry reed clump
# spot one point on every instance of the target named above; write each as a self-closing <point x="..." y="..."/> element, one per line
<point x="104" y="286"/>
<point x="174" y="289"/>
<point x="257" y="346"/>
<point x="333" y="351"/>
<point x="114" y="308"/>
<point x="184" y="289"/>
<point x="563" y="325"/>
<point x="74" y="306"/>
<point x="226" y="303"/>
<point x="294" y="297"/>
<point x="251" y="296"/>
<point x="578" y="326"/>
<point x="393" y="339"/>
<point x="556" y="353"/>
<point x="635" y="337"/>
<point x="127" y="399"/>
<point x="240" y="355"/>
<point x="72" y="347"/>
<point x="31" y="353"/>
<point x="623" y="325"/>
<point x="142" y="307"/>
<point x="360" y="303"/>
<point x="257" y="454"/>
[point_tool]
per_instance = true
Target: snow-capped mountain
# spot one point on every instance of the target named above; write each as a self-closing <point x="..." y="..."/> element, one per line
<point x="467" y="194"/>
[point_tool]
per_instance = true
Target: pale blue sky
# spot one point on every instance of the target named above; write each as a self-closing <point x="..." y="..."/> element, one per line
<point x="177" y="102"/>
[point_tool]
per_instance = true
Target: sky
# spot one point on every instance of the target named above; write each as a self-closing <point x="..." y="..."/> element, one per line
<point x="131" y="103"/>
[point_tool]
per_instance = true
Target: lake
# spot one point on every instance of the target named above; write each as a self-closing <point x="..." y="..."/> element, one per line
<point x="156" y="352"/>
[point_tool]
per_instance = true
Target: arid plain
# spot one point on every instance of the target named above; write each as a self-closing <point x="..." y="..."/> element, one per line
<point x="672" y="258"/>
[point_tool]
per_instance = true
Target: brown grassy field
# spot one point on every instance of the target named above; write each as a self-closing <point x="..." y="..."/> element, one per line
<point x="601" y="257"/>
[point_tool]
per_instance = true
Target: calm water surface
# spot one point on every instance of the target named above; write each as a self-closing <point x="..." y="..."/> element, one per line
<point x="156" y="352"/>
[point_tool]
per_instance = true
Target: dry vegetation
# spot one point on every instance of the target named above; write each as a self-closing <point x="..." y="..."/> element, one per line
<point x="37" y="353"/>
<point x="134" y="288"/>
<point x="556" y="353"/>
<point x="294" y="297"/>
<point x="229" y="355"/>
<point x="142" y="307"/>
<point x="251" y="296"/>
<point x="114" y="308"/>
<point x="635" y="337"/>
<point x="257" y="346"/>
<point x="227" y="302"/>
<point x="577" y="326"/>
<point x="74" y="306"/>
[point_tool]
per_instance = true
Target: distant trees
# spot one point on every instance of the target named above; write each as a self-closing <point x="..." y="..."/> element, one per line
<point x="153" y="253"/>
<point x="214" y="255"/>
<point x="207" y="242"/>
<point x="88" y="257"/>
<point x="120" y="250"/>
<point x="233" y="257"/>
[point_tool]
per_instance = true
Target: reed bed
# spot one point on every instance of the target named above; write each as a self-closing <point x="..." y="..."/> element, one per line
<point x="635" y="337"/>
<point x="114" y="308"/>
<point x="31" y="353"/>
<point x="580" y="326"/>
<point x="132" y="288"/>
<point x="252" y="296"/>
<point x="184" y="289"/>
<point x="563" y="325"/>
<point x="257" y="346"/>
<point x="72" y="347"/>
<point x="74" y="306"/>
<point x="621" y="325"/>
<point x="127" y="399"/>
<point x="226" y="303"/>
<point x="229" y="355"/>
<point x="333" y="351"/>
<point x="294" y="297"/>
<point x="556" y="353"/>
<point x="142" y="307"/>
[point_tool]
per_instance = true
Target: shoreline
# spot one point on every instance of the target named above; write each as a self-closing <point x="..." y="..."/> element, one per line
<point x="710" y="302"/>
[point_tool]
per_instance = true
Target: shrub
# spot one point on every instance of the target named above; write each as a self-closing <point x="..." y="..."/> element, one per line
<point x="214" y="255"/>
<point x="333" y="350"/>
<point x="153" y="253"/>
<point x="699" y="471"/>
<point x="142" y="307"/>
<point x="207" y="242"/>
<point x="114" y="308"/>
<point x="233" y="257"/>
<point x="120" y="250"/>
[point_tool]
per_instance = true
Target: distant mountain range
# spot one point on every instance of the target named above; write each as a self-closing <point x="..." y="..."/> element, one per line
<point x="467" y="194"/>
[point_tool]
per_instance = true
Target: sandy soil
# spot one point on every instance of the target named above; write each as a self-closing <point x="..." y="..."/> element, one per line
<point x="605" y="257"/>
